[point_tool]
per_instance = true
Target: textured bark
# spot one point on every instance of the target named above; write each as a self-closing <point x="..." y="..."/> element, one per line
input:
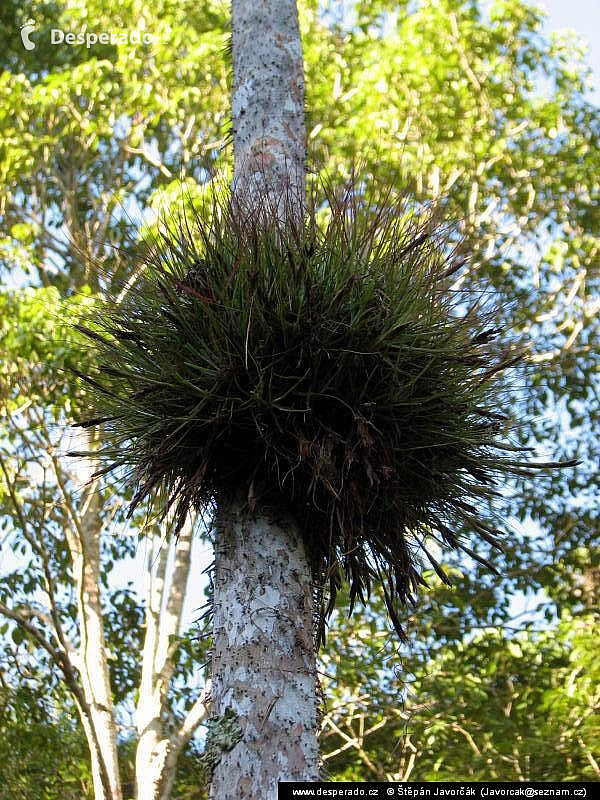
<point x="269" y="131"/>
<point x="263" y="660"/>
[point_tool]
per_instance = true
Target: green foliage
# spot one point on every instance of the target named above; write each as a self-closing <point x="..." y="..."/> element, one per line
<point x="496" y="705"/>
<point x="87" y="135"/>
<point x="42" y="754"/>
<point x="39" y="346"/>
<point x="512" y="708"/>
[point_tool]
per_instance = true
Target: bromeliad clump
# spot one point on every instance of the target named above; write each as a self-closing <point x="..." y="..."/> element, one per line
<point x="324" y="367"/>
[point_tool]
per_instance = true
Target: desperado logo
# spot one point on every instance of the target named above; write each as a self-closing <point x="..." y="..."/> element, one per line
<point x="26" y="29"/>
<point x="89" y="38"/>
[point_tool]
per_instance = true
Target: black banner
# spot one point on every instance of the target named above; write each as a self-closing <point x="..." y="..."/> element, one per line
<point x="518" y="789"/>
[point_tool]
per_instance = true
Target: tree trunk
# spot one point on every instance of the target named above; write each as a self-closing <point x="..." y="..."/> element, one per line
<point x="100" y="727"/>
<point x="152" y="747"/>
<point x="264" y="658"/>
<point x="158" y="744"/>
<point x="264" y="687"/>
<point x="267" y="110"/>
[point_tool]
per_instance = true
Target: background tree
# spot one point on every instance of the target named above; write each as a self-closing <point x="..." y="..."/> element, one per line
<point x="62" y="532"/>
<point x="449" y="95"/>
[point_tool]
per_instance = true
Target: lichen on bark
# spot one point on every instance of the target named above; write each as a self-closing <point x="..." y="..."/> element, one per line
<point x="224" y="732"/>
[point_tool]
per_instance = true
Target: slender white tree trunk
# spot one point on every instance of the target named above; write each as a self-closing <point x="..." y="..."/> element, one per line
<point x="264" y="699"/>
<point x="95" y="677"/>
<point x="83" y="538"/>
<point x="152" y="748"/>
<point x="161" y="735"/>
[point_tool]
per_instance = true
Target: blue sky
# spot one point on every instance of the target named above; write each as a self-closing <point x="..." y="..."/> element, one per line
<point x="582" y="16"/>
